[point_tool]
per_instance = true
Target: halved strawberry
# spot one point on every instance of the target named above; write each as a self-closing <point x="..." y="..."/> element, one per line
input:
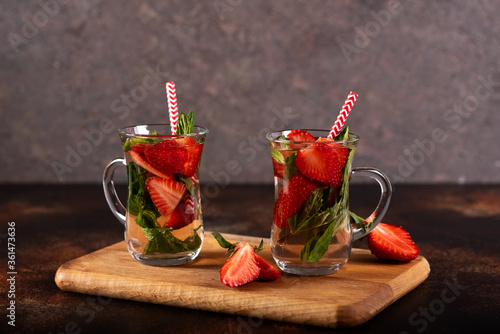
<point x="166" y="156"/>
<point x="332" y="197"/>
<point x="279" y="169"/>
<point x="139" y="147"/>
<point x="165" y="194"/>
<point x="322" y="162"/>
<point x="267" y="271"/>
<point x="241" y="268"/>
<point x="183" y="214"/>
<point x="278" y="220"/>
<point x="140" y="160"/>
<point x="300" y="135"/>
<point x="193" y="156"/>
<point x="293" y="196"/>
<point x="391" y="242"/>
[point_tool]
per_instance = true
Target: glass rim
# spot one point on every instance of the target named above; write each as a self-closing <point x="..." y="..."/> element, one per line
<point x="353" y="138"/>
<point x="130" y="131"/>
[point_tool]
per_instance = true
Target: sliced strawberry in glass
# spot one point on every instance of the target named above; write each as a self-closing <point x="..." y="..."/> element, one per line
<point x="165" y="194"/>
<point x="140" y="160"/>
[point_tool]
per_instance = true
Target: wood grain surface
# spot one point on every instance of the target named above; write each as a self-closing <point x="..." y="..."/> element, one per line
<point x="350" y="297"/>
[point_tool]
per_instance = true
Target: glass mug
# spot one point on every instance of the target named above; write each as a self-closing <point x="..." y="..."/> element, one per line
<point x="313" y="231"/>
<point x="163" y="219"/>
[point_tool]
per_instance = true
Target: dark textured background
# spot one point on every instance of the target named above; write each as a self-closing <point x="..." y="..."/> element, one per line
<point x="427" y="75"/>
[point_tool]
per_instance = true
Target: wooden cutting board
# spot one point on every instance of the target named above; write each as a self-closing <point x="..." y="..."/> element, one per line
<point x="350" y="297"/>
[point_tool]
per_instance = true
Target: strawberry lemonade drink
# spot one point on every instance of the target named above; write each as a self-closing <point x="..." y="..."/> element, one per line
<point x="313" y="229"/>
<point x="163" y="218"/>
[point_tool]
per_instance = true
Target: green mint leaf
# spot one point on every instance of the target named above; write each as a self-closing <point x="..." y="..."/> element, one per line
<point x="365" y="226"/>
<point x="321" y="245"/>
<point x="291" y="169"/>
<point x="304" y="253"/>
<point x="300" y="221"/>
<point x="189" y="184"/>
<point x="146" y="219"/>
<point x="355" y="218"/>
<point x="346" y="172"/>
<point x="152" y="233"/>
<point x="277" y="156"/>
<point x="343" y="135"/>
<point x="163" y="241"/>
<point x="185" y="123"/>
<point x="127" y="146"/>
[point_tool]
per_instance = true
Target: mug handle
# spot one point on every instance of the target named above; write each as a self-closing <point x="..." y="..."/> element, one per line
<point x="114" y="202"/>
<point x="359" y="229"/>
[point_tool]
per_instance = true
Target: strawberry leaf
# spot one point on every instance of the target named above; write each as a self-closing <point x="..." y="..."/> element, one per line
<point x="222" y="242"/>
<point x="231" y="246"/>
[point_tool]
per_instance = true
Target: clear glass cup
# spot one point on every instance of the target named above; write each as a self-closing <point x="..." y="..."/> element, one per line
<point x="163" y="218"/>
<point x="313" y="230"/>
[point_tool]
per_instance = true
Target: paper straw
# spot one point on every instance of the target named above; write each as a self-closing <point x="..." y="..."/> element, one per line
<point x="190" y="201"/>
<point x="173" y="112"/>
<point x="344" y="112"/>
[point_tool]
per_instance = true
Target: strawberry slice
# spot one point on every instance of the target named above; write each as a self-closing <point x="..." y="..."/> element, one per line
<point x="267" y="271"/>
<point x="182" y="216"/>
<point x="322" y="162"/>
<point x="278" y="220"/>
<point x="165" y="194"/>
<point x="300" y="135"/>
<point x="391" y="242"/>
<point x="140" y="160"/>
<point x="279" y="169"/>
<point x="139" y="147"/>
<point x="293" y="196"/>
<point x="193" y="155"/>
<point x="241" y="268"/>
<point x="166" y="156"/>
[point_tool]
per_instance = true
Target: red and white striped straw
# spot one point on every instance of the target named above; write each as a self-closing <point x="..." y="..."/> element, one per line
<point x="173" y="112"/>
<point x="189" y="209"/>
<point x="344" y="112"/>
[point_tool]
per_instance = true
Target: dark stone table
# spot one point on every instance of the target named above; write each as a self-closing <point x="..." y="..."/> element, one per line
<point x="456" y="227"/>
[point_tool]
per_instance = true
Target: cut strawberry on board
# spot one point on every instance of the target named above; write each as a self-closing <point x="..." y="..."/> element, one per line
<point x="322" y="163"/>
<point x="300" y="135"/>
<point x="165" y="194"/>
<point x="166" y="156"/>
<point x="391" y="242"/>
<point x="244" y="265"/>
<point x="267" y="271"/>
<point x="141" y="161"/>
<point x="241" y="268"/>
<point x="294" y="195"/>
